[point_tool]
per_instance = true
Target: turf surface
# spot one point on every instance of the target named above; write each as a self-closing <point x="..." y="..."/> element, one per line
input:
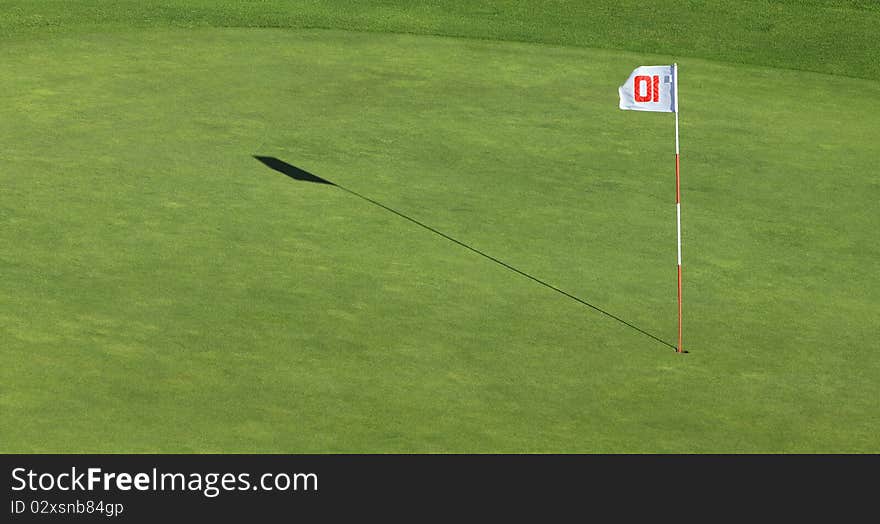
<point x="831" y="36"/>
<point x="164" y="291"/>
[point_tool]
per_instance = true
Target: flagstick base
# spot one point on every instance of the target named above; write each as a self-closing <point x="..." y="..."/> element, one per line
<point x="679" y="347"/>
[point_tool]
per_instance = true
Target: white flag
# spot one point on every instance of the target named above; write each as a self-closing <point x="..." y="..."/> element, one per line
<point x="650" y="88"/>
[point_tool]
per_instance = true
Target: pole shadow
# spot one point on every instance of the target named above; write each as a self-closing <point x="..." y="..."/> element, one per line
<point x="304" y="176"/>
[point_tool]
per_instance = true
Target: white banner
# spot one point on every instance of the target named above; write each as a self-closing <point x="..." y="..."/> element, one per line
<point x="650" y="88"/>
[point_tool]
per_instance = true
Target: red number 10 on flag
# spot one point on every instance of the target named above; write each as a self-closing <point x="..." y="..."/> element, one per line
<point x="652" y="93"/>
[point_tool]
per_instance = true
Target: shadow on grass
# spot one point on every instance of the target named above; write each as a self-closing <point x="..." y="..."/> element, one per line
<point x="304" y="176"/>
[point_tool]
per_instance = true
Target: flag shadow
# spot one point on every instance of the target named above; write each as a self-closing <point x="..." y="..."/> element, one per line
<point x="304" y="176"/>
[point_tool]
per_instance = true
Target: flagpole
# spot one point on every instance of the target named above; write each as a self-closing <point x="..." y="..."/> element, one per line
<point x="677" y="199"/>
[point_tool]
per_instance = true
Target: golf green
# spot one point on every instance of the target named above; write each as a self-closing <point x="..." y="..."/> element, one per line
<point x="164" y="291"/>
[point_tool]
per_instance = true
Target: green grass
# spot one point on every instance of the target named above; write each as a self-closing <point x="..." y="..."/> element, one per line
<point x="163" y="291"/>
<point x="830" y="36"/>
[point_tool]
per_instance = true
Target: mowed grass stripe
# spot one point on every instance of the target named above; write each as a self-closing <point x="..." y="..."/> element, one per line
<point x="814" y="35"/>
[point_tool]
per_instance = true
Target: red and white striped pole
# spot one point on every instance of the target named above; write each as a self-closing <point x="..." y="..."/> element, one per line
<point x="677" y="200"/>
